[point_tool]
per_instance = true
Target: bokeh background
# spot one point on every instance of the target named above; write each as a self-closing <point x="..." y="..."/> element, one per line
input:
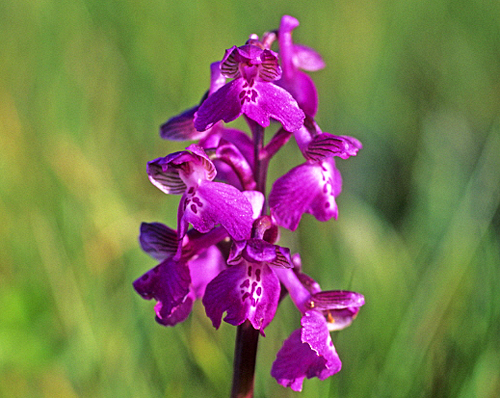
<point x="84" y="86"/>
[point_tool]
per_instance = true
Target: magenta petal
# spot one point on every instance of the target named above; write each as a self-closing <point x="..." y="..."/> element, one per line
<point x="236" y="252"/>
<point x="167" y="283"/>
<point x="287" y="25"/>
<point x="307" y="188"/>
<point x="179" y="313"/>
<point x="216" y="78"/>
<point x="241" y="140"/>
<point x="340" y="319"/>
<point x="302" y="88"/>
<point x="246" y="291"/>
<point x="289" y="368"/>
<point x="353" y="145"/>
<point x="325" y="145"/>
<point x="259" y="250"/>
<point x="224" y="104"/>
<point x="339" y="306"/>
<point x="218" y="203"/>
<point x="315" y="333"/>
<point x="337" y="300"/>
<point x="235" y="165"/>
<point x="204" y="268"/>
<point x="274" y="102"/>
<point x="308" y="352"/>
<point x="182" y="223"/>
<point x="200" y="162"/>
<point x="257" y="200"/>
<point x="229" y="64"/>
<point x="269" y="68"/>
<point x="306" y="58"/>
<point x="158" y="240"/>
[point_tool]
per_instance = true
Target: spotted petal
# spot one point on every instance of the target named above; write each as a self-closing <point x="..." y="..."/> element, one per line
<point x="260" y="102"/>
<point x="245" y="291"/>
<point x="218" y="203"/>
<point x="273" y="102"/>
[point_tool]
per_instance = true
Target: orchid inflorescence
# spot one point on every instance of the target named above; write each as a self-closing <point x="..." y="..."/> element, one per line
<point x="224" y="249"/>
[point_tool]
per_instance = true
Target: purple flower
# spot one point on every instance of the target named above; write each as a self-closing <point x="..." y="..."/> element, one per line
<point x="293" y="58"/>
<point x="252" y="92"/>
<point x="309" y="351"/>
<point x="176" y="283"/>
<point x="204" y="203"/>
<point x="249" y="288"/>
<point x="312" y="186"/>
<point x="224" y="250"/>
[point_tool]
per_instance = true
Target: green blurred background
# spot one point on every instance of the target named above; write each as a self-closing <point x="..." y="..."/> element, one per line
<point x="84" y="86"/>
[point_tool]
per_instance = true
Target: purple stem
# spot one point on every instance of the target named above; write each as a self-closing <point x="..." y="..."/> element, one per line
<point x="232" y="157"/>
<point x="247" y="338"/>
<point x="279" y="139"/>
<point x="245" y="354"/>
<point x="260" y="162"/>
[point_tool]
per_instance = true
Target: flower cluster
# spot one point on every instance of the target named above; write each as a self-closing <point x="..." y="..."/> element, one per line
<point x="224" y="249"/>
